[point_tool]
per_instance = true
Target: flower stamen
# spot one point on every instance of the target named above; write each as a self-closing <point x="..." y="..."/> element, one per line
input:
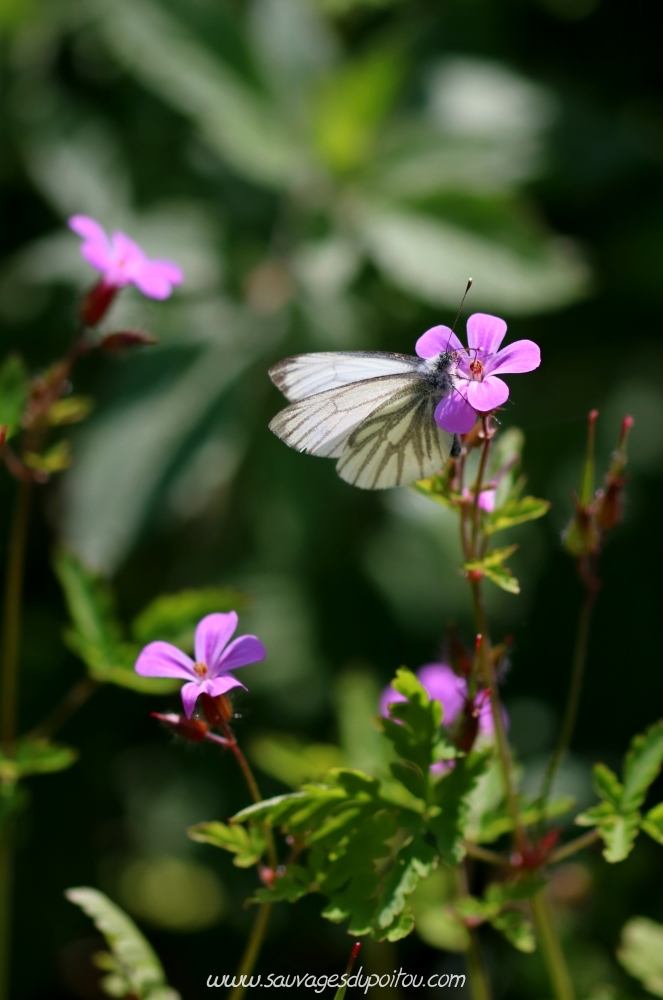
<point x="476" y="367"/>
<point x="200" y="669"/>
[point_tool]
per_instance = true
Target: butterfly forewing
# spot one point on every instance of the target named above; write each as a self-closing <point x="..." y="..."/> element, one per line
<point x="398" y="443"/>
<point x="322" y="424"/>
<point x="307" y="374"/>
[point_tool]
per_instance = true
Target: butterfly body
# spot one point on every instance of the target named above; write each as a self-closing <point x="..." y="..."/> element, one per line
<point x="371" y="410"/>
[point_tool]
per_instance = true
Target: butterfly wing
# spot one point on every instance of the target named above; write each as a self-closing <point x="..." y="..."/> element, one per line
<point x="398" y="442"/>
<point x="322" y="424"/>
<point x="307" y="374"/>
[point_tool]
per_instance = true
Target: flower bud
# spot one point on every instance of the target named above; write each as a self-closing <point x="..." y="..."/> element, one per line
<point x="96" y="303"/>
<point x="610" y="508"/>
<point x="123" y="340"/>
<point x="217" y="710"/>
<point x="582" y="536"/>
<point x="191" y="729"/>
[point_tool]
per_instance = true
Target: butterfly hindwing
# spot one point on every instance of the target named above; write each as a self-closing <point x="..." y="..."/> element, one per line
<point x="398" y="443"/>
<point x="322" y="424"/>
<point x="308" y="374"/>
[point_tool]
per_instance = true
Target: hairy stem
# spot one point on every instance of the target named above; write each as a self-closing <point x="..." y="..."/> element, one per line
<point x="575" y="688"/>
<point x="551" y="949"/>
<point x="12" y="612"/>
<point x="254" y="791"/>
<point x="251" y="951"/>
<point x="579" y="844"/>
<point x="483" y="462"/>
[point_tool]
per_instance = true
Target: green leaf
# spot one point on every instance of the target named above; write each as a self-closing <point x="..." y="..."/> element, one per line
<point x="231" y="115"/>
<point x="96" y="636"/>
<point x="289" y="887"/>
<point x="70" y="410"/>
<point x="350" y="106"/>
<point x="515" y="511"/>
<point x="500" y="908"/>
<point x="415" y="862"/>
<point x="414" y="726"/>
<point x="496" y="822"/>
<point x="35" y="756"/>
<point x="452" y="796"/>
<point x="607" y="785"/>
<point x="56" y="459"/>
<point x="173" y="617"/>
<point x="436" y="920"/>
<point x="641" y="953"/>
<point x="438" y="488"/>
<point x="133" y="965"/>
<point x="642" y="765"/>
<point x="246" y="843"/>
<point x="14" y="390"/>
<point x="293" y="762"/>
<point x="653" y="823"/>
<point x="517" y="928"/>
<point x="492" y="566"/>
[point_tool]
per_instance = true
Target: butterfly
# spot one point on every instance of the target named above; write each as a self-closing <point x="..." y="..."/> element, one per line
<point x="371" y="410"/>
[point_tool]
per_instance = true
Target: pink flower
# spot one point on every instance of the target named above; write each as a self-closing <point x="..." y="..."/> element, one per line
<point x="210" y="673"/>
<point x="121" y="262"/>
<point x="477" y="386"/>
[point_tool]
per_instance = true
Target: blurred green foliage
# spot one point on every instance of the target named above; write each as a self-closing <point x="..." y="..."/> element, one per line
<point x="328" y="175"/>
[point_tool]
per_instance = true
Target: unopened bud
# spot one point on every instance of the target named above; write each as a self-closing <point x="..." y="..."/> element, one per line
<point x="217" y="710"/>
<point x="611" y="502"/>
<point x="123" y="340"/>
<point x="191" y="729"/>
<point x="96" y="303"/>
<point x="582" y="536"/>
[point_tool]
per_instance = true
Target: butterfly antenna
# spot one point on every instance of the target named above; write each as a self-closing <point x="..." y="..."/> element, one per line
<point x="462" y="302"/>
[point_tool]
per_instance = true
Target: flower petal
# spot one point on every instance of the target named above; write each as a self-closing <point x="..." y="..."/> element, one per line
<point x="190" y="693"/>
<point x="98" y="255"/>
<point x="156" y="278"/>
<point x="486" y="724"/>
<point x="445" y="686"/>
<point x="454" y="414"/>
<point x="244" y="650"/>
<point x="437" y="339"/>
<point x="128" y="254"/>
<point x="521" y="356"/>
<point x="219" y="685"/>
<point x="485" y="333"/>
<point x="389" y="697"/>
<point x="160" y="659"/>
<point x="212" y="636"/>
<point x="88" y="228"/>
<point x="487" y="395"/>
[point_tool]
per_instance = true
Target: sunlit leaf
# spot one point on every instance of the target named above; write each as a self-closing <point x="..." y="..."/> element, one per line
<point x="641" y="953"/>
<point x="133" y="966"/>
<point x="35" y="756"/>
<point x="246" y="843"/>
<point x="514" y="512"/>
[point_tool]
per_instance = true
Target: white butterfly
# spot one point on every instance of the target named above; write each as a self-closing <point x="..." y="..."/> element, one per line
<point x="371" y="410"/>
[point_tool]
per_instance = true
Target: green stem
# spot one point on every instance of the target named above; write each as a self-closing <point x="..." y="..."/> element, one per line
<point x="6" y="872"/>
<point x="476" y="973"/>
<point x="254" y="791"/>
<point x="551" y="949"/>
<point x="575" y="689"/>
<point x="483" y="462"/>
<point x="579" y="844"/>
<point x="12" y="612"/>
<point x="251" y="951"/>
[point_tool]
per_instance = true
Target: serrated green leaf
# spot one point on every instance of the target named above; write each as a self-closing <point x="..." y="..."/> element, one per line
<point x="496" y="822"/>
<point x="411" y="776"/>
<point x="641" y="953"/>
<point x="517" y="928"/>
<point x="414" y="862"/>
<point x="438" y="488"/>
<point x="492" y="566"/>
<point x="653" y="823"/>
<point x="173" y="617"/>
<point x="35" y="756"/>
<point x="414" y="726"/>
<point x="515" y="511"/>
<point x="641" y="766"/>
<point x="246" y="843"/>
<point x="504" y="579"/>
<point x="452" y="796"/>
<point x="14" y="389"/>
<point x="293" y="762"/>
<point x="607" y="785"/>
<point x="288" y="888"/>
<point x="135" y="965"/>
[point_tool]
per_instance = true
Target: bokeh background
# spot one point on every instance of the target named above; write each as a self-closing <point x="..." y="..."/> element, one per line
<point x="329" y="173"/>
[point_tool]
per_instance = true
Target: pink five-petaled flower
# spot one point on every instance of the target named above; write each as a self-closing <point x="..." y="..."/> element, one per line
<point x="215" y="658"/>
<point x="477" y="386"/>
<point x="122" y="262"/>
